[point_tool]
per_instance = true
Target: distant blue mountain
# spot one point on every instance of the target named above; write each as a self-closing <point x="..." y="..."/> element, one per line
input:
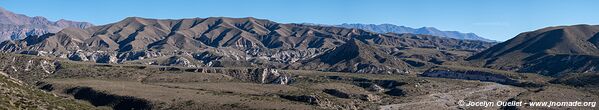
<point x="390" y="28"/>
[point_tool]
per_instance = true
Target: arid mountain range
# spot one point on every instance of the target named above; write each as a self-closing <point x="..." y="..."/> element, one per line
<point x="252" y="42"/>
<point x="17" y="26"/>
<point x="226" y="42"/>
<point x="390" y="28"/>
<point x="249" y="63"/>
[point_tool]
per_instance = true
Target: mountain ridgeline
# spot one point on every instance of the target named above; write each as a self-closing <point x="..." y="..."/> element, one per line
<point x="17" y="26"/>
<point x="241" y="42"/>
<point x="549" y="51"/>
<point x="390" y="28"/>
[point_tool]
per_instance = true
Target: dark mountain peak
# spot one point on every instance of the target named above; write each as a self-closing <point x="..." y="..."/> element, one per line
<point x="581" y="28"/>
<point x="545" y="46"/>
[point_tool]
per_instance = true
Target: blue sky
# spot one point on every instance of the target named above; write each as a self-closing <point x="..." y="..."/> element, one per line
<point x="497" y="19"/>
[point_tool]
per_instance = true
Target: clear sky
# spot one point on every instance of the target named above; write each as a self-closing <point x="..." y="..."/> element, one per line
<point x="493" y="19"/>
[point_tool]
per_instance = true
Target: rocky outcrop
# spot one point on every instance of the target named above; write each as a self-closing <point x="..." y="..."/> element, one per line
<point x="27" y="68"/>
<point x="98" y="57"/>
<point x="256" y="75"/>
<point x="178" y="61"/>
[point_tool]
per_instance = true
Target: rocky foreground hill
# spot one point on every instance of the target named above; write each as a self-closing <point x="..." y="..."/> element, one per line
<point x="15" y="94"/>
<point x="246" y="42"/>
